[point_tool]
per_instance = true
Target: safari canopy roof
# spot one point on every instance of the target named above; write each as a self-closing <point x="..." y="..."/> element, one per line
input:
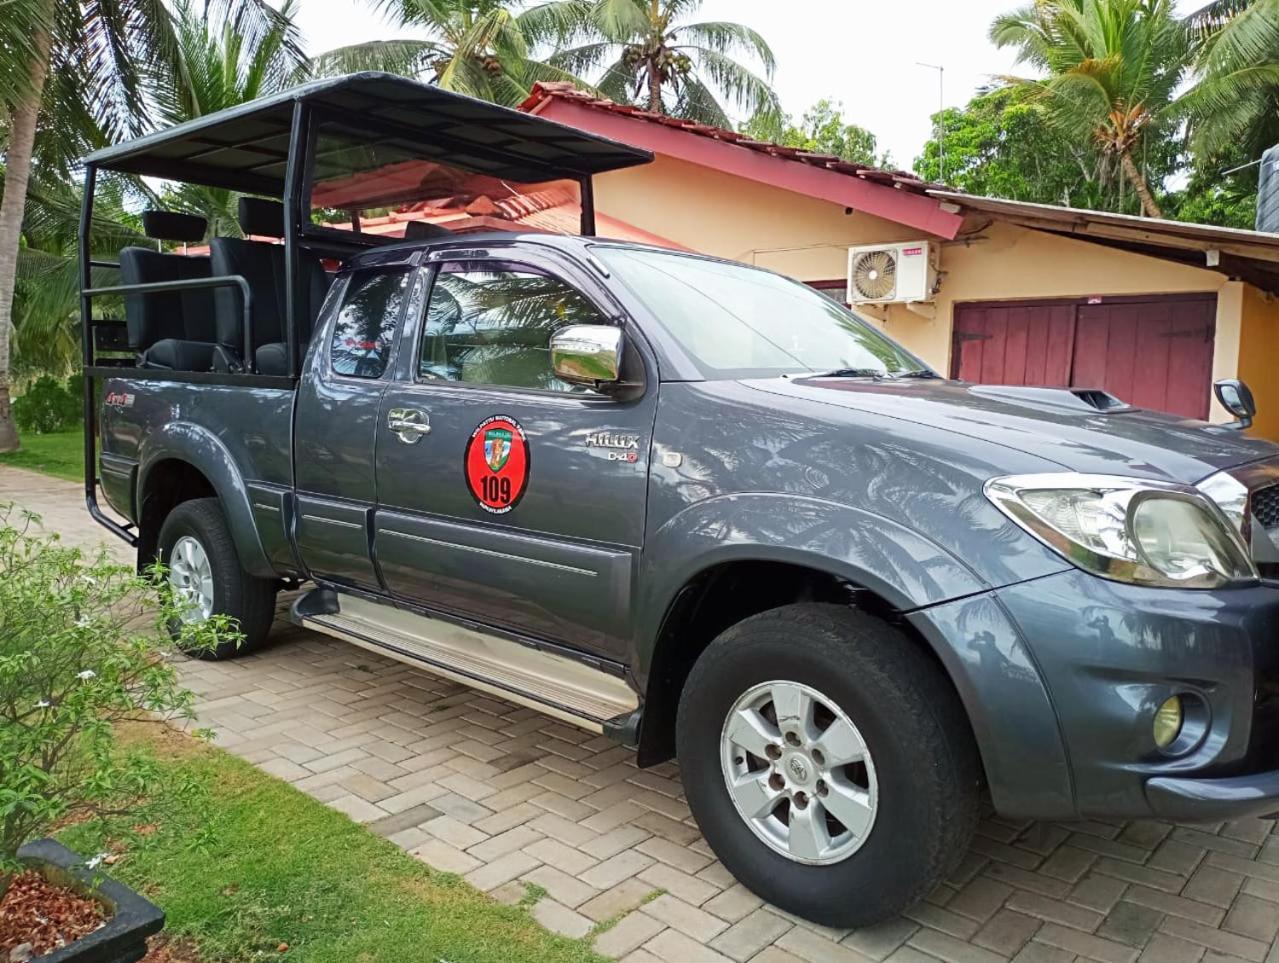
<point x="246" y="148"/>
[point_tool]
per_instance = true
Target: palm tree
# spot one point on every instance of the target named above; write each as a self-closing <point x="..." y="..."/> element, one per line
<point x="219" y="67"/>
<point x="649" y="56"/>
<point x="477" y="47"/>
<point x="1112" y="68"/>
<point x="1233" y="109"/>
<point x="46" y="310"/>
<point x="64" y="63"/>
<point x="215" y="67"/>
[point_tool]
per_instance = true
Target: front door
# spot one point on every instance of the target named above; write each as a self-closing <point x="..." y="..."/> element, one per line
<point x="504" y="494"/>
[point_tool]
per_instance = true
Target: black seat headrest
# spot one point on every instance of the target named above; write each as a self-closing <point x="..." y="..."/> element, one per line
<point x="424" y="230"/>
<point x="262" y="217"/>
<point x="172" y="226"/>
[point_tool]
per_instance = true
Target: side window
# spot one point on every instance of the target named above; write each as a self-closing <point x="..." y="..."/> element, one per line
<point x="491" y="323"/>
<point x="366" y="322"/>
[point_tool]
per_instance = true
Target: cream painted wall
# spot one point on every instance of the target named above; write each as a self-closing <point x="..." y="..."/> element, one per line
<point x="1259" y="357"/>
<point x="808" y="239"/>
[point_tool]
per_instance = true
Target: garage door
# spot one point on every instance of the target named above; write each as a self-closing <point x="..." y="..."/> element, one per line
<point x="1153" y="352"/>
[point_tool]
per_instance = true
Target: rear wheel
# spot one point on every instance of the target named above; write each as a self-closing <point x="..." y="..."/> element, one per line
<point x="207" y="578"/>
<point x="828" y="763"/>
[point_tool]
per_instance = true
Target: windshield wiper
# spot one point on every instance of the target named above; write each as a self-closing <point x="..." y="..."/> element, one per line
<point x="921" y="373"/>
<point x="847" y="373"/>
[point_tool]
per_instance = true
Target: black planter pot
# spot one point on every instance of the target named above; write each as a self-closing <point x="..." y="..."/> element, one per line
<point x="130" y="918"/>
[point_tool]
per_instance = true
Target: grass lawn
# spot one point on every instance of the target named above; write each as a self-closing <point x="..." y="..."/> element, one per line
<point x="60" y="454"/>
<point x="246" y="865"/>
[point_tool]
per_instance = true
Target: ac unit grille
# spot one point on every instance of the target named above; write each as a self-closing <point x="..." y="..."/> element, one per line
<point x="875" y="275"/>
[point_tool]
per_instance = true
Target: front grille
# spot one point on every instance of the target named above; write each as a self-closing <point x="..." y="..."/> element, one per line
<point x="1265" y="507"/>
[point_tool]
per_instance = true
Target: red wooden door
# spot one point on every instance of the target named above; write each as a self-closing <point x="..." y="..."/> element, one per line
<point x="1151" y="352"/>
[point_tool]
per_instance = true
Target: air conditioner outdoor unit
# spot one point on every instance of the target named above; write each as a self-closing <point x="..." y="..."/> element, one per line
<point x="900" y="273"/>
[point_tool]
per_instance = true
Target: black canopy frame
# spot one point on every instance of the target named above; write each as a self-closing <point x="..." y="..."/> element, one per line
<point x="267" y="147"/>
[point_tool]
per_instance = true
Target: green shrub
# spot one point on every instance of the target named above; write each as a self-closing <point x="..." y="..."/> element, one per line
<point x="85" y="645"/>
<point x="49" y="405"/>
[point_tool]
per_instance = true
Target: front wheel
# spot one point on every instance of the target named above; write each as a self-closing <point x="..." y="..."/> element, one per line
<point x="207" y="578"/>
<point x="828" y="763"/>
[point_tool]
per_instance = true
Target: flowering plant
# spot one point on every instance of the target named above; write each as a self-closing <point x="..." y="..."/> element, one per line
<point x="85" y="645"/>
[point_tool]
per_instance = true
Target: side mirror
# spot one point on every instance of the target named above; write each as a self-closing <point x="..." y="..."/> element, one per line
<point x="1236" y="398"/>
<point x="587" y="354"/>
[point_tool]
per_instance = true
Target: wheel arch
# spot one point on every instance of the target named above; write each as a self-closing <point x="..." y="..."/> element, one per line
<point x="725" y="592"/>
<point x="181" y="462"/>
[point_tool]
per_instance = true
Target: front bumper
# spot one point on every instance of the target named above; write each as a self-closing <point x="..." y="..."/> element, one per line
<point x="1109" y="654"/>
<point x="1210" y="800"/>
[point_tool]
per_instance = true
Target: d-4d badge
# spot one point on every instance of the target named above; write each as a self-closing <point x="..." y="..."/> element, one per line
<point x="496" y="464"/>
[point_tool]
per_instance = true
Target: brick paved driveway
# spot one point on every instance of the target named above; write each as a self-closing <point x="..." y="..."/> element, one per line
<point x="507" y="798"/>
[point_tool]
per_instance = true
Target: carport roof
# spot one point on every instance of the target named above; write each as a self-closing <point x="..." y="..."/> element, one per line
<point x="246" y="147"/>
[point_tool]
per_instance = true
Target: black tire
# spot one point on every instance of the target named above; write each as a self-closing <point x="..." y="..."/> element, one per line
<point x="924" y="755"/>
<point x="248" y="600"/>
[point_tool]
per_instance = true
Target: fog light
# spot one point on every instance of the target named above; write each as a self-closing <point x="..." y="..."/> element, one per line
<point x="1168" y="721"/>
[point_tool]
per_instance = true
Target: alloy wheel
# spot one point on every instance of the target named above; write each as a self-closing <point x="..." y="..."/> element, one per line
<point x="799" y="772"/>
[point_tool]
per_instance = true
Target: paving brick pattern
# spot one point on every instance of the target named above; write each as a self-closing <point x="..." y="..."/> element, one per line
<point x="510" y="800"/>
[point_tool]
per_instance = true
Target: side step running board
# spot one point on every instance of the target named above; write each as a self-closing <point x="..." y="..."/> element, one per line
<point x="550" y="683"/>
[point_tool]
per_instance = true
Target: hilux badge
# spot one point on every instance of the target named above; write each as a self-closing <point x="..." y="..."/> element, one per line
<point x="620" y="445"/>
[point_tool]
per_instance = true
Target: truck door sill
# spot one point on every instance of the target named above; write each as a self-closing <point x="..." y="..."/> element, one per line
<point x="558" y="686"/>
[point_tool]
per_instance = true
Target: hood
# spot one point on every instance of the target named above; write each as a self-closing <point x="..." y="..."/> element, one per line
<point x="1084" y="431"/>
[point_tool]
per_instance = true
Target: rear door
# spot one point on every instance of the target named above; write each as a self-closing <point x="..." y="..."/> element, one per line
<point x="335" y="427"/>
<point x="505" y="495"/>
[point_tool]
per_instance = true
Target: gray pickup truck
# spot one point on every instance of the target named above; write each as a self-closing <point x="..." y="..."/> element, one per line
<point x="690" y="504"/>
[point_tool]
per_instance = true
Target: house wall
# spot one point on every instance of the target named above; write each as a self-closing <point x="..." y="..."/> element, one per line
<point x="808" y="239"/>
<point x="1259" y="356"/>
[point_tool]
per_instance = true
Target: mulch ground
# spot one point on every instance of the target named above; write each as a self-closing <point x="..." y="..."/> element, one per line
<point x="47" y="916"/>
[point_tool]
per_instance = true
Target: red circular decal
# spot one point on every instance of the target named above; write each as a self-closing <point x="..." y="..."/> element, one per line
<point x="497" y="464"/>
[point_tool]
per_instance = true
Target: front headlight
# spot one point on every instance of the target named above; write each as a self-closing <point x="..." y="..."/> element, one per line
<point x="1128" y="529"/>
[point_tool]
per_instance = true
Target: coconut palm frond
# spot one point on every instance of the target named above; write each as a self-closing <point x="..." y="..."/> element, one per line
<point x="620" y="20"/>
<point x="739" y="85"/>
<point x="409" y="58"/>
<point x="728" y="38"/>
<point x="697" y="102"/>
<point x="1232" y="107"/>
<point x="555" y="23"/>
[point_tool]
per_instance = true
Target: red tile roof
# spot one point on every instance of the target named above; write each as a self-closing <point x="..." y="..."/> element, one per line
<point x="566" y="91"/>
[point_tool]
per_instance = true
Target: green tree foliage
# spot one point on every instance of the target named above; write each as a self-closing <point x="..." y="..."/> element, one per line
<point x="1234" y="105"/>
<point x="46" y="307"/>
<point x="822" y="130"/>
<point x="49" y="405"/>
<point x="1004" y="143"/>
<point x="75" y="74"/>
<point x="1110" y="69"/>
<point x="1233" y="108"/>
<point x="220" y="67"/>
<point x="484" y="48"/>
<point x="644" y="52"/>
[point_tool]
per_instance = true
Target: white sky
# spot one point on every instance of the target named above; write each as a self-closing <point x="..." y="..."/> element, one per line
<point x="862" y="52"/>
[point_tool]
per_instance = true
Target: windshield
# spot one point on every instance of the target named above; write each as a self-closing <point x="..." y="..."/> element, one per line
<point x="739" y="322"/>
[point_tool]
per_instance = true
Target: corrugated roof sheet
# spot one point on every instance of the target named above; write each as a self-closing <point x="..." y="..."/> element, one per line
<point x="564" y="90"/>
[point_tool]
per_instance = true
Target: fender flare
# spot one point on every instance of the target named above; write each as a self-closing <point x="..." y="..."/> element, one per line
<point x="205" y="452"/>
<point x="901" y="566"/>
<point x="936" y="592"/>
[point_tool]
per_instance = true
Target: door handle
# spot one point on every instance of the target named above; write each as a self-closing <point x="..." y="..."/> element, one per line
<point x="408" y="424"/>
